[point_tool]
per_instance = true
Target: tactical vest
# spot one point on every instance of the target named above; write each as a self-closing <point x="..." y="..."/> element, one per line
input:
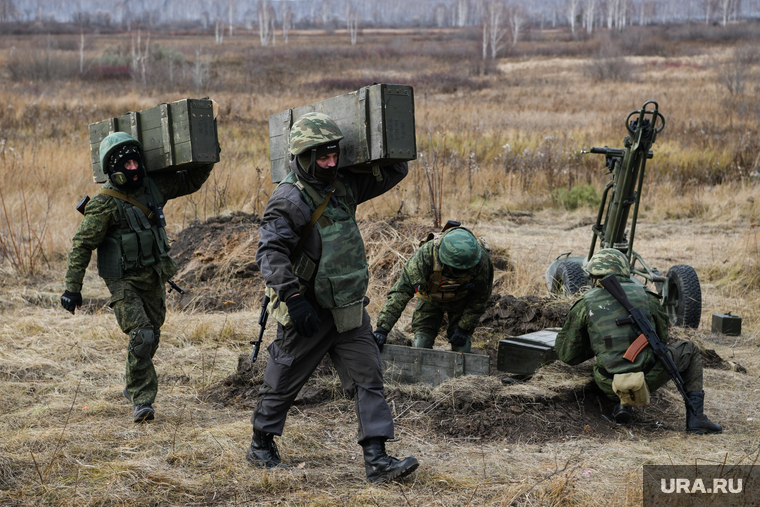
<point x="342" y="277"/>
<point x="136" y="242"/>
<point x="444" y="288"/>
<point x="610" y="341"/>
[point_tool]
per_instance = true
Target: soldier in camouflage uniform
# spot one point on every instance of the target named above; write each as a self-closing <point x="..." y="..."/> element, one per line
<point x="452" y="275"/>
<point x="590" y="330"/>
<point x="319" y="271"/>
<point x="125" y="223"/>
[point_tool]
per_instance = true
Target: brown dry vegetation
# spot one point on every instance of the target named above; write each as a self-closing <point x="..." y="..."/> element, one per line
<point x="501" y="136"/>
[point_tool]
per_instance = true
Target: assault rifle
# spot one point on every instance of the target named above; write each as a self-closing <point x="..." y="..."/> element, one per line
<point x="637" y="317"/>
<point x="262" y="325"/>
<point x="174" y="286"/>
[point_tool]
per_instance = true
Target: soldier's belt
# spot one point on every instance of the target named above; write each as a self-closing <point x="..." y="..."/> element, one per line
<point x="443" y="296"/>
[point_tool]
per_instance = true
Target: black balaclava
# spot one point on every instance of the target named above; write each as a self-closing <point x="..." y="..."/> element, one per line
<point x="118" y="174"/>
<point x="308" y="162"/>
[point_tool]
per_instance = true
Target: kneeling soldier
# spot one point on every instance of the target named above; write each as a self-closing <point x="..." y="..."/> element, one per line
<point x="451" y="274"/>
<point x="590" y="330"/>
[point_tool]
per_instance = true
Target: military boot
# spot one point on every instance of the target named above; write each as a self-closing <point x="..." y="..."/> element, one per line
<point x="699" y="424"/>
<point x="143" y="412"/>
<point x="263" y="451"/>
<point x="621" y="414"/>
<point x="383" y="468"/>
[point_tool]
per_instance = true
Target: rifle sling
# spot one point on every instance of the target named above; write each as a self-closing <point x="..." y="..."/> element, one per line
<point x="636" y="347"/>
<point x="314" y="217"/>
<point x="125" y="198"/>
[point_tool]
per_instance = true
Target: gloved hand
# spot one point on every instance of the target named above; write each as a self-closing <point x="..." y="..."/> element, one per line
<point x="303" y="316"/>
<point x="70" y="301"/>
<point x="459" y="337"/>
<point x="381" y="335"/>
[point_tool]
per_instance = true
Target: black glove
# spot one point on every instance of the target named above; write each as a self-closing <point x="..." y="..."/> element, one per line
<point x="303" y="316"/>
<point x="70" y="301"/>
<point x="459" y="337"/>
<point x="381" y="335"/>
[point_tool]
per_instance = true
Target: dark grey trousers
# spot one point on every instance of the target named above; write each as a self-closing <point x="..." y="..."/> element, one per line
<point x="292" y="360"/>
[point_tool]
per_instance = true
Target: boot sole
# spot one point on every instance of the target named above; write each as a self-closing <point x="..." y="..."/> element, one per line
<point x="398" y="474"/>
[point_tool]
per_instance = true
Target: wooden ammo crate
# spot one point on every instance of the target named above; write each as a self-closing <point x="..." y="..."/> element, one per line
<point x="377" y="123"/>
<point x="174" y="135"/>
<point x="431" y="366"/>
<point x="524" y="354"/>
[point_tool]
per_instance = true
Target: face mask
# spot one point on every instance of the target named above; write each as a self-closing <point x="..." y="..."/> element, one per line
<point x="124" y="178"/>
<point x="325" y="175"/>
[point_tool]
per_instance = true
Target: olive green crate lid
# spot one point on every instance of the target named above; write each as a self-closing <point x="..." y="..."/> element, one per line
<point x="524" y="354"/>
<point x="174" y="135"/>
<point x="409" y="365"/>
<point x="377" y="122"/>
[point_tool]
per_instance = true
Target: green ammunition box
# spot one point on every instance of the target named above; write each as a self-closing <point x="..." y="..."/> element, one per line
<point x="377" y="123"/>
<point x="524" y="354"/>
<point x="727" y="324"/>
<point x="175" y="135"/>
<point x="409" y="365"/>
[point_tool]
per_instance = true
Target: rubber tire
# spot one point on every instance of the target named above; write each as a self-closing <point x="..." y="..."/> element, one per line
<point x="569" y="279"/>
<point x="684" y="303"/>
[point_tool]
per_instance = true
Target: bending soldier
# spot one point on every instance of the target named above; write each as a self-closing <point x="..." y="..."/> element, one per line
<point x="590" y="330"/>
<point x="313" y="260"/>
<point x="125" y="223"/>
<point x="452" y="275"/>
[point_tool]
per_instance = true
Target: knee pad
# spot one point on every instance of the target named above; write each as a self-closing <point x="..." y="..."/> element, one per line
<point x="143" y="342"/>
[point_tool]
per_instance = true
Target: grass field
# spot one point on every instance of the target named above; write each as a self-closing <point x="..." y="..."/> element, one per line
<point x="504" y="138"/>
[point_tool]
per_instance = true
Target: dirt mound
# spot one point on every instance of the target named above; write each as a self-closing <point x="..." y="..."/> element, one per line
<point x="515" y="316"/>
<point x="216" y="263"/>
<point x="557" y="403"/>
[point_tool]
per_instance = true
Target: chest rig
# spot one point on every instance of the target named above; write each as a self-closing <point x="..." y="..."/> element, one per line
<point x="341" y="278"/>
<point x="440" y="287"/>
<point x="139" y="239"/>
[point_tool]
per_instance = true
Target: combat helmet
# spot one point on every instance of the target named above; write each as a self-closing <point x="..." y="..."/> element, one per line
<point x="312" y="130"/>
<point x="608" y="261"/>
<point x="113" y="142"/>
<point x="459" y="249"/>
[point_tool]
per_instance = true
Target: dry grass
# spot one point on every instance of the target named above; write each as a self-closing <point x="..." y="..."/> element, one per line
<point x="507" y="143"/>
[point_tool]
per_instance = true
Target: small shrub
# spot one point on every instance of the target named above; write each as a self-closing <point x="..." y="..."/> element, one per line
<point x="578" y="196"/>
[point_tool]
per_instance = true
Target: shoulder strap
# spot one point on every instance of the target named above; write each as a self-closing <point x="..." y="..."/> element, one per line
<point x="314" y="217"/>
<point x="126" y="198"/>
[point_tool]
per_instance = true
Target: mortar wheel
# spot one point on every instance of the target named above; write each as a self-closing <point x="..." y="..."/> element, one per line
<point x="569" y="279"/>
<point x="684" y="302"/>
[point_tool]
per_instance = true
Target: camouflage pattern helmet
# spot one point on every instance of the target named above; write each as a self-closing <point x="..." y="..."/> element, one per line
<point x="608" y="261"/>
<point x="312" y="130"/>
<point x="113" y="142"/>
<point x="459" y="249"/>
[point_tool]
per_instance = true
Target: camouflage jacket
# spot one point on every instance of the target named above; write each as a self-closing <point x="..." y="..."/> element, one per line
<point x="574" y="342"/>
<point x="102" y="214"/>
<point x="287" y="213"/>
<point x="415" y="275"/>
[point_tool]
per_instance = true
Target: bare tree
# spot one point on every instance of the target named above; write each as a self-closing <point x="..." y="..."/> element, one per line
<point x="287" y="20"/>
<point x="218" y="31"/>
<point x="265" y="22"/>
<point x="572" y="12"/>
<point x="516" y="22"/>
<point x="230" y="10"/>
<point x="8" y="10"/>
<point x="352" y="22"/>
<point x="462" y="8"/>
<point x="140" y="57"/>
<point x="493" y="27"/>
<point x="589" y="13"/>
<point x="439" y="14"/>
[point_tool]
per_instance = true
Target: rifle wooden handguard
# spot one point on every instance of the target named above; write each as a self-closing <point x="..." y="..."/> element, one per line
<point x="636" y="347"/>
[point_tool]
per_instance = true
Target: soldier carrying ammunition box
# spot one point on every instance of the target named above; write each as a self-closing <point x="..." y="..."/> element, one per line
<point x="313" y="260"/>
<point x="627" y="368"/>
<point x="125" y="223"/>
<point x="450" y="274"/>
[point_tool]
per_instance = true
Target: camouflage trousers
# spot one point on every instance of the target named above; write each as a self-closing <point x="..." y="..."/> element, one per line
<point x="688" y="360"/>
<point x="428" y="318"/>
<point x="135" y="310"/>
